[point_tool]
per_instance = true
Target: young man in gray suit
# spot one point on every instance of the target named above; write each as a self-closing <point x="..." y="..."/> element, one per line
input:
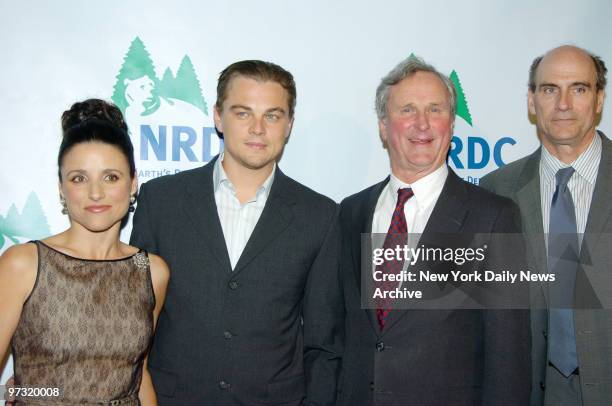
<point x="253" y="314"/>
<point x="565" y="188"/>
<point x="396" y="357"/>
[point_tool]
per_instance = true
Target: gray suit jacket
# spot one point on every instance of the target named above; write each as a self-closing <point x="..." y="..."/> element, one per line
<point x="266" y="333"/>
<point x="520" y="181"/>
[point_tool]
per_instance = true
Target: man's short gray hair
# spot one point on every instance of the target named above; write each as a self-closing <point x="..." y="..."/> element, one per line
<point x="404" y="69"/>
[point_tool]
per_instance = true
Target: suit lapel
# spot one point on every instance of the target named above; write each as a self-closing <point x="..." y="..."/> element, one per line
<point x="449" y="212"/>
<point x="528" y="197"/>
<point x="361" y="228"/>
<point x="590" y="285"/>
<point x="601" y="209"/>
<point x="361" y="223"/>
<point x="201" y="208"/>
<point x="276" y="216"/>
<point x="447" y="217"/>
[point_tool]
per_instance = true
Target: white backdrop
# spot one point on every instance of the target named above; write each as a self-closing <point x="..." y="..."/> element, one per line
<point x="55" y="53"/>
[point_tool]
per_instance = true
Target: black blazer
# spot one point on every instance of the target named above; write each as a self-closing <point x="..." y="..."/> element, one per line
<point x="266" y="333"/>
<point x="432" y="357"/>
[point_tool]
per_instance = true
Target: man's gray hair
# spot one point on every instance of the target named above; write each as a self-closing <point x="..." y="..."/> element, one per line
<point x="404" y="69"/>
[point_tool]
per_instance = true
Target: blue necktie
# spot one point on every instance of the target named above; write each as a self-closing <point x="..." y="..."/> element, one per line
<point x="563" y="255"/>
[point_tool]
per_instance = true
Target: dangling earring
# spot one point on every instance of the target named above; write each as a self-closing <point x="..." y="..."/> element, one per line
<point x="64" y="206"/>
<point x="132" y="201"/>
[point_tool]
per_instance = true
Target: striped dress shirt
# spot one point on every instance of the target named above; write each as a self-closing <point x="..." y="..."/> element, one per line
<point x="237" y="220"/>
<point x="581" y="184"/>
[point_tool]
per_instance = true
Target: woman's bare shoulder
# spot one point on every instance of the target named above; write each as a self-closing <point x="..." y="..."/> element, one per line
<point x="18" y="267"/>
<point x="159" y="268"/>
<point x="20" y="257"/>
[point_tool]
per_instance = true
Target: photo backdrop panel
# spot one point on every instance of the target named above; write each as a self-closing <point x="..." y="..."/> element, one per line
<point x="160" y="64"/>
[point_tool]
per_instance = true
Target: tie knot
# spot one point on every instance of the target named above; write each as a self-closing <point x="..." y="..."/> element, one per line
<point x="403" y="195"/>
<point x="563" y="176"/>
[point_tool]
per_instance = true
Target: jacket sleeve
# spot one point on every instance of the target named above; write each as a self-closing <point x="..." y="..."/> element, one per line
<point x="142" y="231"/>
<point x="507" y="340"/>
<point x="323" y="317"/>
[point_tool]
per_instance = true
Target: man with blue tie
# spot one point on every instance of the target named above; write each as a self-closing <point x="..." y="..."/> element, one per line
<point x="564" y="192"/>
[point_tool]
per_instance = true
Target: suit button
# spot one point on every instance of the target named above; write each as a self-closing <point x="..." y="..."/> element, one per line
<point x="380" y="346"/>
<point x="545" y="334"/>
<point x="233" y="285"/>
<point x="224" y="385"/>
<point x="542" y="386"/>
<point x="372" y="386"/>
<point x="227" y="335"/>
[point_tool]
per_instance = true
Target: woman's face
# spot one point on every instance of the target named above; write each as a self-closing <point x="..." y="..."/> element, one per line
<point x="97" y="185"/>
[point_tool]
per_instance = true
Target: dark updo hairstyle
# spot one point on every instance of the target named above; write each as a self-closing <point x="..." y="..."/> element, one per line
<point x="95" y="120"/>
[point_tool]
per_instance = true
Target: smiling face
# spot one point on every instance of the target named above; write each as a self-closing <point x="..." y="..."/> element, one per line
<point x="565" y="101"/>
<point x="418" y="126"/>
<point x="96" y="185"/>
<point x="255" y="123"/>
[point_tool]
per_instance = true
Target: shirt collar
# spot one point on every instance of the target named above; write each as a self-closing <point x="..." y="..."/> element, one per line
<point x="220" y="179"/>
<point x="550" y="164"/>
<point x="426" y="190"/>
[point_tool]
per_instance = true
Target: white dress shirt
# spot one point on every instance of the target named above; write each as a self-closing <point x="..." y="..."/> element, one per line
<point x="581" y="184"/>
<point x="417" y="209"/>
<point x="237" y="220"/>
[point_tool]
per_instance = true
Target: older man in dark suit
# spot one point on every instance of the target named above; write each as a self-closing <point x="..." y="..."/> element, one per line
<point x="444" y="357"/>
<point x="253" y="314"/>
<point x="567" y="182"/>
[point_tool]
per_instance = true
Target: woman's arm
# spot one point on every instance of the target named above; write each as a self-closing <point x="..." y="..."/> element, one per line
<point x="160" y="275"/>
<point x="18" y="268"/>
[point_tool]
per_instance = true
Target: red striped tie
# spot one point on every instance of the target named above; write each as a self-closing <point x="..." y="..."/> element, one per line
<point x="396" y="236"/>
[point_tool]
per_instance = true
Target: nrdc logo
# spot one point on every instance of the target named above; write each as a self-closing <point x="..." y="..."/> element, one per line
<point x="168" y="118"/>
<point x="469" y="150"/>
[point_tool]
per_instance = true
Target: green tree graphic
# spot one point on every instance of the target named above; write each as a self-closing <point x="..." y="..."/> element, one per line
<point x="462" y="107"/>
<point x="136" y="64"/>
<point x="187" y="86"/>
<point x="166" y="86"/>
<point x="31" y="223"/>
<point x="11" y="223"/>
